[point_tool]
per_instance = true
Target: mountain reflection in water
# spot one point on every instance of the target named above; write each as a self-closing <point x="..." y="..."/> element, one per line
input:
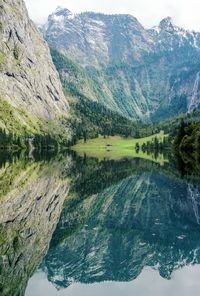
<point x="121" y="224"/>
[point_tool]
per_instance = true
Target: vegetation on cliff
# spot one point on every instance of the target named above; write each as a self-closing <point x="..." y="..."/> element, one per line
<point x="187" y="146"/>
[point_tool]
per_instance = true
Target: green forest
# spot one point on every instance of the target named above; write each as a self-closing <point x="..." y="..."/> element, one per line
<point x="187" y="144"/>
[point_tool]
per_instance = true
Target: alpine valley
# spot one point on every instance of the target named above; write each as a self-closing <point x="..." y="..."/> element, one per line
<point x="99" y="155"/>
<point x="116" y="75"/>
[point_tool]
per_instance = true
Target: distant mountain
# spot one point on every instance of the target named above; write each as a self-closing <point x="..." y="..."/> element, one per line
<point x="147" y="74"/>
<point x="31" y="96"/>
<point x="97" y="39"/>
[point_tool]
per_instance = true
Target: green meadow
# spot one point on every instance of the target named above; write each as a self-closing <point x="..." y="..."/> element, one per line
<point x="117" y="147"/>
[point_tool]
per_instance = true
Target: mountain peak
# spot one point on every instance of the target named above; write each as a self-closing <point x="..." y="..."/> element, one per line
<point x="166" y="23"/>
<point x="62" y="9"/>
<point x="60" y="14"/>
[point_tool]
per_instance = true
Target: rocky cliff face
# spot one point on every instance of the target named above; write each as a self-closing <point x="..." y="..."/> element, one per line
<point x="150" y="74"/>
<point x="29" y="82"/>
<point x="97" y="39"/>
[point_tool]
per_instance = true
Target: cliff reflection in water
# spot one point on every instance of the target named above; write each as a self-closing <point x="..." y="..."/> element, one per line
<point x="109" y="219"/>
<point x="120" y="217"/>
<point x="32" y="195"/>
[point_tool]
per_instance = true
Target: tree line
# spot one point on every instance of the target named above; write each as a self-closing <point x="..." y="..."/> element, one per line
<point x="187" y="147"/>
<point x="187" y="139"/>
<point x="154" y="146"/>
<point x="10" y="140"/>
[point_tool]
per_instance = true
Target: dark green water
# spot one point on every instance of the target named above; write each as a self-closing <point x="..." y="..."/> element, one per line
<point x="81" y="227"/>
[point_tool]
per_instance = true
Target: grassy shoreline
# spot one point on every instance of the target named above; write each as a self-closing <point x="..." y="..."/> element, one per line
<point x="116" y="147"/>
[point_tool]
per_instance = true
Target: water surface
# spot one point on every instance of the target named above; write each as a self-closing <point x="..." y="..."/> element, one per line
<point x="74" y="225"/>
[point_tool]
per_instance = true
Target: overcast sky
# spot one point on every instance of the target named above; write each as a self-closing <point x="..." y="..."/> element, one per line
<point x="185" y="13"/>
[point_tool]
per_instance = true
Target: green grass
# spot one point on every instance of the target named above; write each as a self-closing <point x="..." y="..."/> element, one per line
<point x="21" y="123"/>
<point x="119" y="148"/>
<point x="16" y="121"/>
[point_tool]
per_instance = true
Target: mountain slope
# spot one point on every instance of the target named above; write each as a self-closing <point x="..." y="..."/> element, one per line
<point x="92" y="38"/>
<point x="89" y="117"/>
<point x="30" y="90"/>
<point x="150" y="74"/>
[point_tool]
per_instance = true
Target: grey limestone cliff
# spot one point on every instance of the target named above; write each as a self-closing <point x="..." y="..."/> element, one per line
<point x="152" y="74"/>
<point x="29" y="82"/>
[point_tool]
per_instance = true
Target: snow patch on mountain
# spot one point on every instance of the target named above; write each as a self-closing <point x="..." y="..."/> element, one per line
<point x="139" y="72"/>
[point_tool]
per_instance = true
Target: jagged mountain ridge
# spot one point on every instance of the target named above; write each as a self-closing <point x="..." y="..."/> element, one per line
<point x="151" y="74"/>
<point x="96" y="33"/>
<point x="29" y="84"/>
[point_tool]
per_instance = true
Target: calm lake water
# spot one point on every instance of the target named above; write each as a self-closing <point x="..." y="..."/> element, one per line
<point x="81" y="226"/>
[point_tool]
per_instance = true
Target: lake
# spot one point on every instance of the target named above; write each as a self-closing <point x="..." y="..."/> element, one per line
<point x="81" y="226"/>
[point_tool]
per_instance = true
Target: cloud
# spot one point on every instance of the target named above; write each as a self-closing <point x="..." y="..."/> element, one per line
<point x="184" y="12"/>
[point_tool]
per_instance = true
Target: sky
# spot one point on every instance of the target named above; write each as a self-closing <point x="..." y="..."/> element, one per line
<point x="185" y="13"/>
